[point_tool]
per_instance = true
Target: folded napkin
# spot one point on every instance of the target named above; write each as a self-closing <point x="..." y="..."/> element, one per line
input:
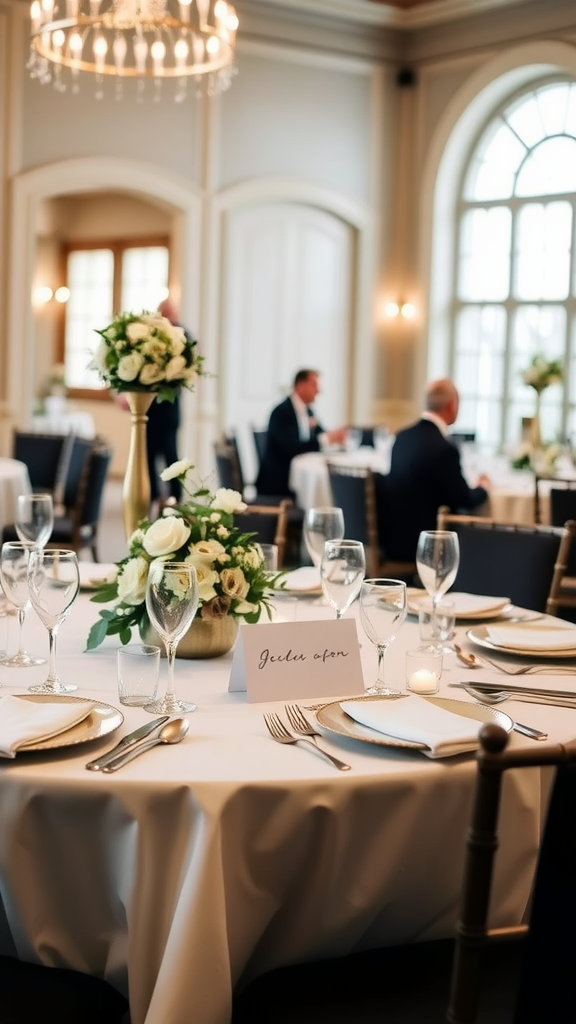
<point x="23" y="721"/>
<point x="417" y="720"/>
<point x="560" y="639"/>
<point x="96" y="574"/>
<point x="307" y="577"/>
<point x="465" y="605"/>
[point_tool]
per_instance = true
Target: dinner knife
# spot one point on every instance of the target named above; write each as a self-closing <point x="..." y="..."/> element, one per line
<point x="540" y="691"/>
<point x="125" y="742"/>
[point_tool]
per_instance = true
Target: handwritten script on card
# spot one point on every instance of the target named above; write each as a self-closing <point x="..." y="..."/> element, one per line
<point x="291" y="660"/>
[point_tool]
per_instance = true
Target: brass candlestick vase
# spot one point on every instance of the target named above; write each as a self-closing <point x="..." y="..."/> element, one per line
<point x="136" y="490"/>
<point x="206" y="638"/>
<point x="536" y="431"/>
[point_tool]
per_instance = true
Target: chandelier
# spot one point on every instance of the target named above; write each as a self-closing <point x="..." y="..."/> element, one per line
<point x="139" y="39"/>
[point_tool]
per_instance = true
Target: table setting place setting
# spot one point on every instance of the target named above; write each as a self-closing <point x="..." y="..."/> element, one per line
<point x="313" y="709"/>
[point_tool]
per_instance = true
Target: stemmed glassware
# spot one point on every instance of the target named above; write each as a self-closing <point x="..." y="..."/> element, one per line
<point x="171" y="603"/>
<point x="341" y="572"/>
<point x="320" y="525"/>
<point x="53" y="583"/>
<point x="383" y="607"/>
<point x="14" y="570"/>
<point x="34" y="519"/>
<point x="437" y="560"/>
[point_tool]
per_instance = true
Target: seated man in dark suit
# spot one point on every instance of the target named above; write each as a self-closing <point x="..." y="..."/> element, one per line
<point x="425" y="473"/>
<point x="292" y="430"/>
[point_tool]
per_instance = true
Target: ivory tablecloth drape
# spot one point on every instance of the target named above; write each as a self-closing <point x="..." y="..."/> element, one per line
<point x="14" y="480"/>
<point x="199" y="866"/>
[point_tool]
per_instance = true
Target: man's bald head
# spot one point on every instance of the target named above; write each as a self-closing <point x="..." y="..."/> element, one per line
<point x="442" y="399"/>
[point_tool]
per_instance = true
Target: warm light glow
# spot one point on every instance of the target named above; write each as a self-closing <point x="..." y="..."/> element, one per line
<point x="41" y="295"/>
<point x="391" y="309"/>
<point x="141" y="39"/>
<point x="62" y="294"/>
<point x="407" y="310"/>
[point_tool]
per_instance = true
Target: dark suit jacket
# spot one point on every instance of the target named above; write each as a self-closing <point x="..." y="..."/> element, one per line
<point x="282" y="444"/>
<point x="425" y="473"/>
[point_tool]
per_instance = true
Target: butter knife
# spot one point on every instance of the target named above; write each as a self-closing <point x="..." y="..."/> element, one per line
<point x="126" y="742"/>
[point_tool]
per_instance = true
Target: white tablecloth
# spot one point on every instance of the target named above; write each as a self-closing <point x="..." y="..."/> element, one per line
<point x="511" y="497"/>
<point x="72" y="422"/>
<point x="14" y="480"/>
<point x="199" y="865"/>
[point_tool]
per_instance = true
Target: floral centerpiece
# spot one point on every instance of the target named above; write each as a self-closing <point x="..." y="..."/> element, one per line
<point x="147" y="352"/>
<point x="539" y="375"/>
<point x="232" y="575"/>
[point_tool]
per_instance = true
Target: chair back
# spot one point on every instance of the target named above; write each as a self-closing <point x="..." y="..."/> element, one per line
<point x="42" y="454"/>
<point x="353" y="491"/>
<point x="228" y="466"/>
<point x="95" y="479"/>
<point x="232" y="440"/>
<point x="260" y="440"/>
<point x="545" y="988"/>
<point x="268" y="522"/>
<point x="75" y="471"/>
<point x="524" y="563"/>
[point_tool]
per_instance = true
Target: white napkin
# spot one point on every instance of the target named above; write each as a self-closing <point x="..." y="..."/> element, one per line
<point x="466" y="605"/>
<point x="95" y="574"/>
<point x="560" y="639"/>
<point x="24" y="721"/>
<point x="307" y="577"/>
<point x="416" y="719"/>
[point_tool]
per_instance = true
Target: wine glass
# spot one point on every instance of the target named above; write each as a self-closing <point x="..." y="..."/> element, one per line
<point x="320" y="525"/>
<point x="53" y="582"/>
<point x="14" y="570"/>
<point x="383" y="607"/>
<point x="437" y="560"/>
<point x="341" y="572"/>
<point x="34" y="519"/>
<point x="171" y="603"/>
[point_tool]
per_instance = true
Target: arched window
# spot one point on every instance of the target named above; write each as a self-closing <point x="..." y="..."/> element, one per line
<point x="515" y="271"/>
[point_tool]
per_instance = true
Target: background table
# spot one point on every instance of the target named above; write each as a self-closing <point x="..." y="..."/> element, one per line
<point x="14" y="480"/>
<point x="200" y="865"/>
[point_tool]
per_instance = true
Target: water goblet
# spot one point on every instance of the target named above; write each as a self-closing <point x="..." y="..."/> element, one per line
<point x="34" y="519"/>
<point x="171" y="603"/>
<point x="437" y="560"/>
<point x="14" y="571"/>
<point x="383" y="607"/>
<point x="341" y="572"/>
<point x="53" y="582"/>
<point x="322" y="524"/>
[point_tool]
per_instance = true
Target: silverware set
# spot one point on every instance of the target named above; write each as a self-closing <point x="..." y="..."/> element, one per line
<point x="168" y="730"/>
<point x="303" y="733"/>
<point x="475" y="661"/>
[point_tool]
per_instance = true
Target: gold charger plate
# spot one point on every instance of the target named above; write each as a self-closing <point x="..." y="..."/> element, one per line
<point x="102" y="720"/>
<point x="334" y="719"/>
<point x="479" y="635"/>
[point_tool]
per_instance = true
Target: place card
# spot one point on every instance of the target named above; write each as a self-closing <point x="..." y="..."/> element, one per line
<point x="292" y="660"/>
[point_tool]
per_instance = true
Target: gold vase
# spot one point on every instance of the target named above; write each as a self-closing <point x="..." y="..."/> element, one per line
<point x="136" y="490"/>
<point x="206" y="638"/>
<point x="536" y="434"/>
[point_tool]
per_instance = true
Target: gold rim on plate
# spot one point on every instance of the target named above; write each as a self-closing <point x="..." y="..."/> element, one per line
<point x="479" y="635"/>
<point x="102" y="720"/>
<point x="496" y="611"/>
<point x="334" y="719"/>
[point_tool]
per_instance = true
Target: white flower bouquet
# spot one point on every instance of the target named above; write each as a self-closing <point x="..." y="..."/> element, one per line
<point x="146" y="352"/>
<point x="541" y="373"/>
<point x="232" y="574"/>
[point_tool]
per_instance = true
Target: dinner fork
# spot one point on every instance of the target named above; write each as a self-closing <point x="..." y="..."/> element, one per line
<point x="523" y="670"/>
<point x="279" y="732"/>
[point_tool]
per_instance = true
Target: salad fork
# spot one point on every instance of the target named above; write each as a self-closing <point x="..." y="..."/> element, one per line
<point x="279" y="732"/>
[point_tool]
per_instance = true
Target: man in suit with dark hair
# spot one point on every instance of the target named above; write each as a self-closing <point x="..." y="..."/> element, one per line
<point x="292" y="430"/>
<point x="425" y="473"/>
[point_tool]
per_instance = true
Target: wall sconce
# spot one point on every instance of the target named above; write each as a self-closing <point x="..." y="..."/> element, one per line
<point x="62" y="294"/>
<point x="400" y="308"/>
<point x="41" y="295"/>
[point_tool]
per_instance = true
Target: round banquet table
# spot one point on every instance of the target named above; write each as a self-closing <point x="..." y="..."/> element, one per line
<point x="196" y="867"/>
<point x="14" y="480"/>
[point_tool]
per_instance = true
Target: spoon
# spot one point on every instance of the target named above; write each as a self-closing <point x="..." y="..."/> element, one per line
<point x="472" y="660"/>
<point x="496" y="698"/>
<point x="172" y="732"/>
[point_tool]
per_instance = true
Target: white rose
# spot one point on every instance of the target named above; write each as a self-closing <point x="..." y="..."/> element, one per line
<point x="151" y="373"/>
<point x="166" y="536"/>
<point x="99" y="361"/>
<point x="129" y="366"/>
<point x="132" y="581"/>
<point x="175" y="368"/>
<point x="253" y="558"/>
<point x="176" y="469"/>
<point x="208" y="549"/>
<point x="155" y="349"/>
<point x="228" y="500"/>
<point x="207" y="577"/>
<point x="136" y="331"/>
<point x="177" y="339"/>
<point x="234" y="583"/>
